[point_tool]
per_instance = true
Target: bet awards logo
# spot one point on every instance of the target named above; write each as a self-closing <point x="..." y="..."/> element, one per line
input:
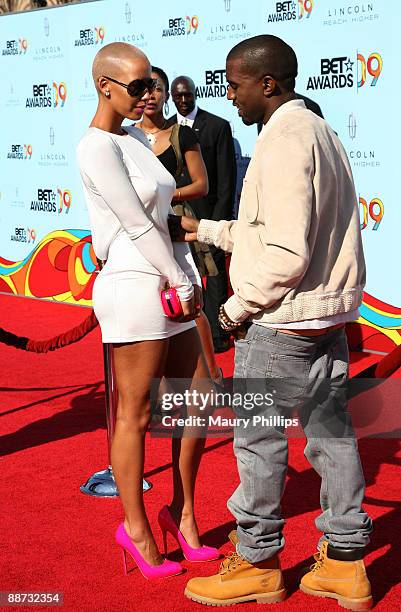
<point x="182" y="26"/>
<point x="305" y="8"/>
<point x="215" y="85"/>
<point x="47" y="96"/>
<point x="21" y="234"/>
<point x="285" y="11"/>
<point x="16" y="47"/>
<point x="373" y="65"/>
<point x="90" y="36"/>
<point x="335" y="73"/>
<point x="19" y="151"/>
<point x="338" y="72"/>
<point x="374" y="210"/>
<point x="52" y="201"/>
<point x="291" y="10"/>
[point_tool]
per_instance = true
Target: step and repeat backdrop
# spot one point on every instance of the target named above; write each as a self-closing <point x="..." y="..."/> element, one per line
<point x="348" y="53"/>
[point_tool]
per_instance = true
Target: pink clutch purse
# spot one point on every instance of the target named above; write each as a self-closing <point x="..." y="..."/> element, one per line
<point x="170" y="302"/>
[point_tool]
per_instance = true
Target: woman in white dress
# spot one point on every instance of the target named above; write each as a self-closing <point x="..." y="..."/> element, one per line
<point x="128" y="194"/>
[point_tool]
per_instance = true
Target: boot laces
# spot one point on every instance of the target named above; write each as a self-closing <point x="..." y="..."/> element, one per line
<point x="319" y="560"/>
<point x="230" y="563"/>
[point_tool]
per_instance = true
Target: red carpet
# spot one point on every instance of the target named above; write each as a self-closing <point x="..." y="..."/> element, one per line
<point x="53" y="538"/>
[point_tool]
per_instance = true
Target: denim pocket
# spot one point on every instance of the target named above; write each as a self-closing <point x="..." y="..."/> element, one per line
<point x="257" y="363"/>
<point x="293" y="372"/>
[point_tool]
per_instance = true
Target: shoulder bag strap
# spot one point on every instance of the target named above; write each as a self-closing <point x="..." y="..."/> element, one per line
<point x="175" y="143"/>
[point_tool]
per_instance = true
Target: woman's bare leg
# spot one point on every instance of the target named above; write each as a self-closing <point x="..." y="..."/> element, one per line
<point x="136" y="364"/>
<point x="186" y="360"/>
<point x="207" y="344"/>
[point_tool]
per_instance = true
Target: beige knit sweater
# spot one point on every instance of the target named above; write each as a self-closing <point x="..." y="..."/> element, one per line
<point x="296" y="247"/>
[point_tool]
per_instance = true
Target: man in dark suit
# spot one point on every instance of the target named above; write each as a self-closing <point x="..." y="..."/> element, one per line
<point x="217" y="146"/>
<point x="310" y="104"/>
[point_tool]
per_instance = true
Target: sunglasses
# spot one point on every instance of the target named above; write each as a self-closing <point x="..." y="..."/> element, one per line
<point x="137" y="87"/>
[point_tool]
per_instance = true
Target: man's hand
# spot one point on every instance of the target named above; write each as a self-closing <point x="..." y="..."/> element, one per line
<point x="190" y="226"/>
<point x="182" y="229"/>
<point x="225" y="322"/>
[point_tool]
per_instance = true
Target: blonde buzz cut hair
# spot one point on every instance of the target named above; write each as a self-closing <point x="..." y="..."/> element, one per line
<point x="112" y="59"/>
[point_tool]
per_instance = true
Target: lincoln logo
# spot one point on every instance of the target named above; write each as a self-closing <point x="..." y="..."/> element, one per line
<point x="352" y="126"/>
<point x="128" y="13"/>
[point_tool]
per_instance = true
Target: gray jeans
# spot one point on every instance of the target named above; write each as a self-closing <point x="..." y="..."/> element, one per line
<point x="313" y="373"/>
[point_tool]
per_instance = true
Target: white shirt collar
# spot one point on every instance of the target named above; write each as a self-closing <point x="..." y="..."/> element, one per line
<point x="190" y="118"/>
<point x="292" y="105"/>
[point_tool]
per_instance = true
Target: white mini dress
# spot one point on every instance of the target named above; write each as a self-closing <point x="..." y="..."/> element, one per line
<point x="128" y="194"/>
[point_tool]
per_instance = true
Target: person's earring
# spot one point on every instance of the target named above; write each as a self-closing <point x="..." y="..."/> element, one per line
<point x="166" y="109"/>
<point x="269" y="82"/>
<point x="107" y="93"/>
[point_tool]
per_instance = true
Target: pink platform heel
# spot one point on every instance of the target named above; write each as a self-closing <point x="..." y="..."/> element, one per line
<point x="166" y="569"/>
<point x="167" y="525"/>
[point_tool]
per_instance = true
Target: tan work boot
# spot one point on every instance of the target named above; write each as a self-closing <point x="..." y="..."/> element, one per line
<point x="239" y="581"/>
<point x="345" y="581"/>
<point x="233" y="537"/>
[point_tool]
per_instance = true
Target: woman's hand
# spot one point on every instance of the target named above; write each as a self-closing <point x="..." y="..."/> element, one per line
<point x="192" y="308"/>
<point x="198" y="295"/>
<point x="188" y="310"/>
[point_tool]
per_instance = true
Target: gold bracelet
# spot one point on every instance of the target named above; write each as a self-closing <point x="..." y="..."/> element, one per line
<point x="179" y="195"/>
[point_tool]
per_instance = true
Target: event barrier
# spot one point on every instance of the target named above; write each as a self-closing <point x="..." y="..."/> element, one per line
<point x="102" y="483"/>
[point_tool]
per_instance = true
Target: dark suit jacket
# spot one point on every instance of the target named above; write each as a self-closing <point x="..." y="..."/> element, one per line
<point x="310" y="104"/>
<point x="217" y="146"/>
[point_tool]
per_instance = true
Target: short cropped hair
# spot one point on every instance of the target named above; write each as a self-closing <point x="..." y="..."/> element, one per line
<point x="270" y="55"/>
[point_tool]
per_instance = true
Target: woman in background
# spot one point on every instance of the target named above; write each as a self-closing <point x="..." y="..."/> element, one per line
<point x="178" y="149"/>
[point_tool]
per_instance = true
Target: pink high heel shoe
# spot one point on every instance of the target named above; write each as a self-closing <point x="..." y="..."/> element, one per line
<point x="167" y="525"/>
<point x="166" y="569"/>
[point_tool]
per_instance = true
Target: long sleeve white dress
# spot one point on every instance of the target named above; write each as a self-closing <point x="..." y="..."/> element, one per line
<point x="128" y="194"/>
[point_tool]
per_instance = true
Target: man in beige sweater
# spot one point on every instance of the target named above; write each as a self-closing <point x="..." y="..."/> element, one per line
<point x="298" y="273"/>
